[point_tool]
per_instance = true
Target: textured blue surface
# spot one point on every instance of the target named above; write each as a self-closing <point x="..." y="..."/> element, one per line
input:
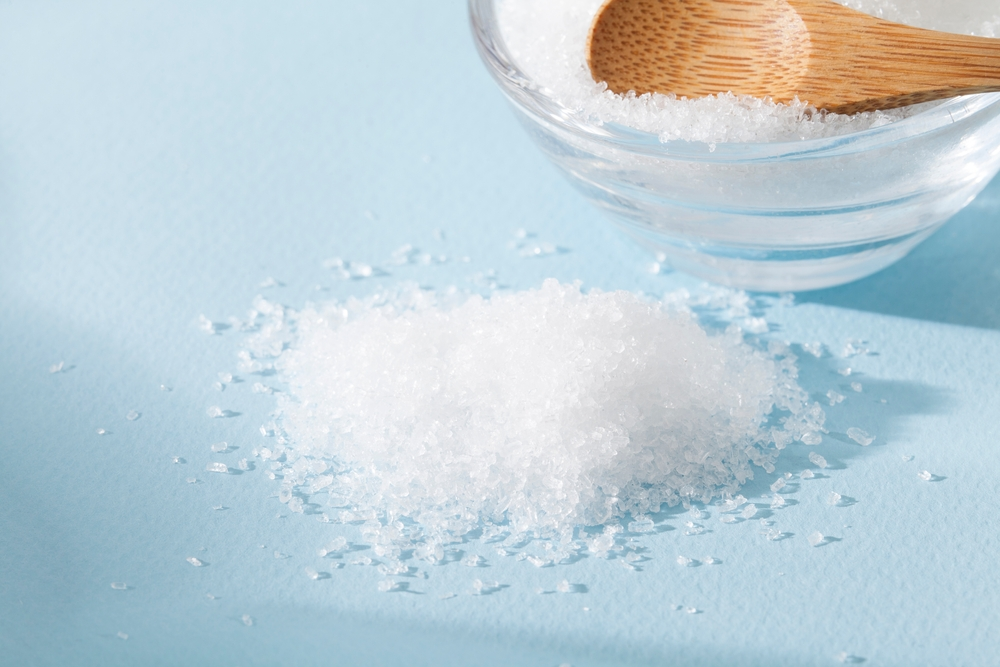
<point x="158" y="160"/>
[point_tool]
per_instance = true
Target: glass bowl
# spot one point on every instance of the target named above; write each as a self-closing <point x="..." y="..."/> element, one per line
<point x="782" y="216"/>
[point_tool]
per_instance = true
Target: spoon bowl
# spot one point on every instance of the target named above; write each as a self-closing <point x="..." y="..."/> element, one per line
<point x="818" y="51"/>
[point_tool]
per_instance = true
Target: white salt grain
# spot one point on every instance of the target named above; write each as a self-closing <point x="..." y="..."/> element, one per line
<point x="684" y="561"/>
<point x="925" y="475"/>
<point x="844" y="371"/>
<point x="778" y="485"/>
<point x="749" y="511"/>
<point x="817" y="460"/>
<point x="102" y="431"/>
<point x="807" y="474"/>
<point x="777" y="502"/>
<point x="118" y="586"/>
<point x="311" y="573"/>
<point x="565" y="587"/>
<point x="217" y="467"/>
<point x="834" y="397"/>
<point x="132" y="415"/>
<point x="122" y="636"/>
<point x="816" y="538"/>
<point x="197" y="562"/>
<point x="856" y="386"/>
<point x="860" y="436"/>
<point x="220" y="447"/>
<point x="215" y="412"/>
<point x="833" y="498"/>
<point x="57" y="368"/>
<point x="247" y="620"/>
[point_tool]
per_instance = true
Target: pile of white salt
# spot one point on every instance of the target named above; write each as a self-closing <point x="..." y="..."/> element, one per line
<point x="548" y="41"/>
<point x="540" y="411"/>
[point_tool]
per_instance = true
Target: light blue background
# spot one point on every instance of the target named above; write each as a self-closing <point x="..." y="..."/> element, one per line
<point x="158" y="160"/>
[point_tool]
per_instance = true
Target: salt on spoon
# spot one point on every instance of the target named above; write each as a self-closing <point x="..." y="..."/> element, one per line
<point x="834" y="57"/>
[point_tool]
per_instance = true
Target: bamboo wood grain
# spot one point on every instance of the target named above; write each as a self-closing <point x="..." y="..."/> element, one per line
<point x="833" y="57"/>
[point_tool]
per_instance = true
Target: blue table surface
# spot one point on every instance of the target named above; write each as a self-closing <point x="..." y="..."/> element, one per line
<point x="159" y="160"/>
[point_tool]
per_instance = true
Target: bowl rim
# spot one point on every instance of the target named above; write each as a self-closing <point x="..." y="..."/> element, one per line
<point x="529" y="98"/>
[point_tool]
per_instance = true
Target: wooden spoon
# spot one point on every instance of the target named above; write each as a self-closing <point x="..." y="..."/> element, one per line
<point x="833" y="57"/>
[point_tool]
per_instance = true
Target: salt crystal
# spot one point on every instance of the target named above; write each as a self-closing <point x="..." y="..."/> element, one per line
<point x="817" y="460"/>
<point x="269" y="282"/>
<point x="773" y="534"/>
<point x="777" y="502"/>
<point x="206" y="325"/>
<point x="844" y="371"/>
<point x="907" y="457"/>
<point x="243" y="465"/>
<point x="642" y="525"/>
<point x="691" y="610"/>
<point x="807" y="474"/>
<point x="447" y="596"/>
<point x="472" y="560"/>
<point x="815" y="349"/>
<point x="220" y="447"/>
<point x="684" y="561"/>
<point x="833" y="498"/>
<point x="102" y="431"/>
<point x="693" y="528"/>
<point x="778" y="485"/>
<point x="311" y="573"/>
<point x="565" y="587"/>
<point x="334" y="546"/>
<point x="210" y="596"/>
<point x="215" y="412"/>
<point x="859" y="436"/>
<point x="816" y="538"/>
<point x="280" y="556"/>
<point x="219" y="508"/>
<point x="122" y="636"/>
<point x="480" y="587"/>
<point x="711" y="560"/>
<point x="192" y="480"/>
<point x="925" y="475"/>
<point x="749" y="511"/>
<point x="247" y="620"/>
<point x="132" y="415"/>
<point x="834" y="397"/>
<point x="217" y="467"/>
<point x="166" y="387"/>
<point x="296" y="505"/>
<point x="57" y="368"/>
<point x="856" y="386"/>
<point x="118" y="586"/>
<point x="811" y="438"/>
<point x="727" y="519"/>
<point x="197" y="562"/>
<point x="260" y="388"/>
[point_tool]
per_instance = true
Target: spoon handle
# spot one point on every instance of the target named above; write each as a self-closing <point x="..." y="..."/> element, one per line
<point x="860" y="63"/>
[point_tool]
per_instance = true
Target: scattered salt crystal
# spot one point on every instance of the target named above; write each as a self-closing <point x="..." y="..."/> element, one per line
<point x="697" y="514"/>
<point x="859" y="436"/>
<point x="693" y="528"/>
<point x="243" y="465"/>
<point x="565" y="587"/>
<point x="260" y="388"/>
<point x="197" y="562"/>
<point x="215" y="412"/>
<point x="166" y="387"/>
<point x="811" y="438"/>
<point x="727" y="519"/>
<point x="749" y="511"/>
<point x="817" y="460"/>
<point x="473" y="560"/>
<point x="447" y="596"/>
<point x="57" y="368"/>
<point x="210" y="596"/>
<point x="280" y="556"/>
<point x="755" y="325"/>
<point x="335" y="545"/>
<point x="268" y="282"/>
<point x="101" y="431"/>
<point x="777" y="502"/>
<point x="642" y="525"/>
<point x="206" y="325"/>
<point x="480" y="587"/>
<point x="247" y="620"/>
<point x="225" y="378"/>
<point x="118" y="586"/>
<point x="833" y="498"/>
<point x="219" y="508"/>
<point x="773" y="534"/>
<point x="807" y="474"/>
<point x="844" y="371"/>
<point x="296" y="505"/>
<point x="907" y="457"/>
<point x="856" y="386"/>
<point x="853" y="348"/>
<point x="834" y="397"/>
<point x="778" y="485"/>
<point x="217" y="467"/>
<point x="361" y="560"/>
<point x="711" y="560"/>
<point x="684" y="561"/>
<point x="691" y="610"/>
<point x="816" y="538"/>
<point x="815" y="349"/>
<point x="220" y="447"/>
<point x="311" y="573"/>
<point x="122" y="636"/>
<point x="132" y="415"/>
<point x="925" y="475"/>
<point x="192" y="480"/>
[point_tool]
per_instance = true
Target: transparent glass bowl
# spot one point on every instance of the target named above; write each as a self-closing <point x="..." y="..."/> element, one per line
<point x="767" y="216"/>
